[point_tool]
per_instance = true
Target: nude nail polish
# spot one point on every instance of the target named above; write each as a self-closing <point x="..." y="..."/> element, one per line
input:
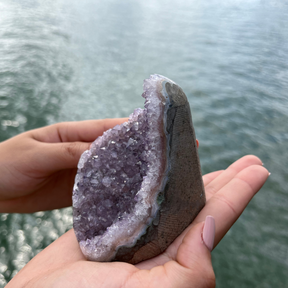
<point x="209" y="232"/>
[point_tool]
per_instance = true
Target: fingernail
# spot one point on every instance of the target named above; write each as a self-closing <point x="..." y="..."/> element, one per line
<point x="269" y="174"/>
<point x="209" y="232"/>
<point x="262" y="164"/>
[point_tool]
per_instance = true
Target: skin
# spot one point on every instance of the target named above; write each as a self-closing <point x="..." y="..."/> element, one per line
<point x="37" y="173"/>
<point x="38" y="167"/>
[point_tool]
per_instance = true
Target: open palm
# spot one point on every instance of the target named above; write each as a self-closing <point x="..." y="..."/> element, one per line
<point x="186" y="262"/>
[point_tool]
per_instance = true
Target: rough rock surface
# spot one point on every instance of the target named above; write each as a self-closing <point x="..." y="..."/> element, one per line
<point x="139" y="185"/>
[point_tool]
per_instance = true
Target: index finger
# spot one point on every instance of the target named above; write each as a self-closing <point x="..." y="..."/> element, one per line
<point x="84" y="131"/>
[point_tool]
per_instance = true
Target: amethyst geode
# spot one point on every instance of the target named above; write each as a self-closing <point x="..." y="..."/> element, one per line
<point x="140" y="185"/>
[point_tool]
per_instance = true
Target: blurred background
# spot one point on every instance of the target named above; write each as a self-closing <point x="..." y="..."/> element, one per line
<point x="68" y="60"/>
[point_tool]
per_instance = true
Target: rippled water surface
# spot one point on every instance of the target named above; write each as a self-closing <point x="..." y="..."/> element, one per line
<point x="66" y="60"/>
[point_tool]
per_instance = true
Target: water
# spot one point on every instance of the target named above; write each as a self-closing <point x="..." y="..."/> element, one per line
<point x="66" y="60"/>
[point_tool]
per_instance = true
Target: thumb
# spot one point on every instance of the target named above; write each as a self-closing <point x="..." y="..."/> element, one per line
<point x="65" y="155"/>
<point x="194" y="252"/>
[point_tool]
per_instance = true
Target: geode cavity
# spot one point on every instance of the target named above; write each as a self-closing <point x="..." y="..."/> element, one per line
<point x="140" y="185"/>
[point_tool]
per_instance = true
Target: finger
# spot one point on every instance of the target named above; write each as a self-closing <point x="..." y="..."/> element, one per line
<point x="197" y="244"/>
<point x="57" y="156"/>
<point x="229" y="203"/>
<point x="55" y="194"/>
<point x="166" y="256"/>
<point x="84" y="131"/>
<point x="244" y="162"/>
<point x="207" y="178"/>
<point x="194" y="258"/>
<point x="188" y="243"/>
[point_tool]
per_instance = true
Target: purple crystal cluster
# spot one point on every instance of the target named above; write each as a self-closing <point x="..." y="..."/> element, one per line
<point x="115" y="191"/>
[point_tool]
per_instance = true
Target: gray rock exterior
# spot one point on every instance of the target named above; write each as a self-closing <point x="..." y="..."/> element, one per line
<point x="183" y="195"/>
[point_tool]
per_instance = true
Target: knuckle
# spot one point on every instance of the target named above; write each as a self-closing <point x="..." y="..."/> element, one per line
<point x="211" y="189"/>
<point x="71" y="150"/>
<point x="231" y="206"/>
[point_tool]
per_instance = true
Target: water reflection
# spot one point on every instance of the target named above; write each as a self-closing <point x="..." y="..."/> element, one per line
<point x="36" y="70"/>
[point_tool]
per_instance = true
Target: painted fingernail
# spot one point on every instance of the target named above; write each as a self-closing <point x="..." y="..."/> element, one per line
<point x="209" y="232"/>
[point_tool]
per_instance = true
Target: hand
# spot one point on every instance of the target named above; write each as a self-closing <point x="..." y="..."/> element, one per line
<point x="38" y="167"/>
<point x="186" y="262"/>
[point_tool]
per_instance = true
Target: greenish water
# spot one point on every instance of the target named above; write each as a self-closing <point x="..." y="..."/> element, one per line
<point x="66" y="60"/>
